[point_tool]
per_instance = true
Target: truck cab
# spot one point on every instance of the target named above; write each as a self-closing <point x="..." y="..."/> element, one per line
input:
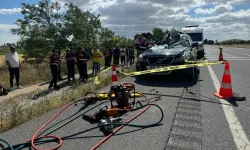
<point x="196" y="35"/>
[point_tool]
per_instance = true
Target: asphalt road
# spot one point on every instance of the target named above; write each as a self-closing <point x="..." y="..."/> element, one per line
<point x="193" y="117"/>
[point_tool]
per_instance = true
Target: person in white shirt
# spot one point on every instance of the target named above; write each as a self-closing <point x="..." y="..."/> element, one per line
<point x="14" y="65"/>
<point x="123" y="54"/>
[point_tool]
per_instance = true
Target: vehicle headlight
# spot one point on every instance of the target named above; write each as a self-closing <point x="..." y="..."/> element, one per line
<point x="140" y="57"/>
<point x="189" y="55"/>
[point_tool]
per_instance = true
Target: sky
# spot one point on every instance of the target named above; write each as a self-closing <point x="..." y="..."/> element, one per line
<point x="220" y="19"/>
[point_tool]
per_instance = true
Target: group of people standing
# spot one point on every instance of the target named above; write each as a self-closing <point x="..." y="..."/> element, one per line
<point x="123" y="56"/>
<point x="78" y="57"/>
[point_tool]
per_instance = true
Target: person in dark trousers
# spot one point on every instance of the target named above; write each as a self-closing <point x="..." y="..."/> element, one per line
<point x="116" y="54"/>
<point x="59" y="65"/>
<point x="82" y="58"/>
<point x="110" y="52"/>
<point x="70" y="58"/>
<point x="54" y="61"/>
<point x="123" y="55"/>
<point x="107" y="54"/>
<point x="14" y="65"/>
<point x="131" y="55"/>
<point x="127" y="55"/>
<point x="3" y="91"/>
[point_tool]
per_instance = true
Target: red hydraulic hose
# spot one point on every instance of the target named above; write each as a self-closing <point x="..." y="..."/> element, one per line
<point x="56" y="137"/>
<point x="117" y="129"/>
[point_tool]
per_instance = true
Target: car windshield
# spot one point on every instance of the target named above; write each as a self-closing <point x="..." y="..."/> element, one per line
<point x="183" y="42"/>
<point x="195" y="36"/>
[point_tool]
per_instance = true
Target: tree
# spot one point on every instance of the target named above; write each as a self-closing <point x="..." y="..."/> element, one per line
<point x="83" y="26"/>
<point x="40" y="30"/>
<point x="158" y="33"/>
<point x="210" y="42"/>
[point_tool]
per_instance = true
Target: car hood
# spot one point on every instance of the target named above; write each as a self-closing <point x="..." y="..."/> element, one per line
<point x="159" y="50"/>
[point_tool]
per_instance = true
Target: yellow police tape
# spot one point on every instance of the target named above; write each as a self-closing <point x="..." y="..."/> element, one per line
<point x="202" y="60"/>
<point x="170" y="68"/>
<point x="97" y="78"/>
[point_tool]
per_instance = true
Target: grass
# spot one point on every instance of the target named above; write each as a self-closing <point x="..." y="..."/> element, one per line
<point x="34" y="74"/>
<point x="15" y="112"/>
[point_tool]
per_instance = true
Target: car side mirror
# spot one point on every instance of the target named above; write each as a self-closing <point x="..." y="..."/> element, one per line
<point x="195" y="44"/>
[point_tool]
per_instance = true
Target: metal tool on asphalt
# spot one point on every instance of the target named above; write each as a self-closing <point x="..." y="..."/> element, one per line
<point x="226" y="91"/>
<point x="107" y="125"/>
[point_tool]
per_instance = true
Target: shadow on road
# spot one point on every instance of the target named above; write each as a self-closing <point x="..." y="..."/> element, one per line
<point x="173" y="80"/>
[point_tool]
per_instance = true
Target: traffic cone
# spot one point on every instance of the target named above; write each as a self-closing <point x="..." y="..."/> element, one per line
<point x="221" y="55"/>
<point x="114" y="76"/>
<point x="226" y="91"/>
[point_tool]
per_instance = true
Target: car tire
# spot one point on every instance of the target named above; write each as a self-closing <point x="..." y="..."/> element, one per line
<point x="200" y="55"/>
<point x="191" y="73"/>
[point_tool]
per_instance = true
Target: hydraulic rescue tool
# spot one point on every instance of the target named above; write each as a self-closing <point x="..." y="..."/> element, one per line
<point x="107" y="125"/>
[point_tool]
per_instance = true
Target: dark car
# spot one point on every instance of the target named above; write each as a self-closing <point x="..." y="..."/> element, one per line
<point x="171" y="54"/>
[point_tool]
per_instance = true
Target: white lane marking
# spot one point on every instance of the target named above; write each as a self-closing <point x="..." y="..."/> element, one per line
<point x="238" y="53"/>
<point x="239" y="136"/>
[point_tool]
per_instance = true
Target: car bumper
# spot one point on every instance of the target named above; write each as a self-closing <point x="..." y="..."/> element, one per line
<point x="142" y="66"/>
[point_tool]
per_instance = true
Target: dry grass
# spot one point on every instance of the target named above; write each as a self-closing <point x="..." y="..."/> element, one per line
<point x="33" y="74"/>
<point x="239" y="45"/>
<point x="2" y="59"/>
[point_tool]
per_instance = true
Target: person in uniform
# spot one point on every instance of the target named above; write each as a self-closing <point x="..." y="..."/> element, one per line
<point x="116" y="54"/>
<point x="107" y="54"/>
<point x="82" y="58"/>
<point x="59" y="65"/>
<point x="70" y="58"/>
<point x="54" y="61"/>
<point x="110" y="52"/>
<point x="131" y="55"/>
<point x="127" y="55"/>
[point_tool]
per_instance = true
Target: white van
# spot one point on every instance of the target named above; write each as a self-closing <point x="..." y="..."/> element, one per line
<point x="196" y="35"/>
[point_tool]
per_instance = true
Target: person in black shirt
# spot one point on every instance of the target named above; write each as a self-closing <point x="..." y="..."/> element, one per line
<point x="82" y="58"/>
<point x="59" y="65"/>
<point x="131" y="55"/>
<point x="70" y="58"/>
<point x="54" y="61"/>
<point x="107" y="54"/>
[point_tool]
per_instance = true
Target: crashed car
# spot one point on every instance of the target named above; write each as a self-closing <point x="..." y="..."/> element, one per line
<point x="175" y="48"/>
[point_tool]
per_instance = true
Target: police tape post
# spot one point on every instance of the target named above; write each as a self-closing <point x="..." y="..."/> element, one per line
<point x="173" y="68"/>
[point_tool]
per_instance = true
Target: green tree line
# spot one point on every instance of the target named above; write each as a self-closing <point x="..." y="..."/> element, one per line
<point x="47" y="25"/>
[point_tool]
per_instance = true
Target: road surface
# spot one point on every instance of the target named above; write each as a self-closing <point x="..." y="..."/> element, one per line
<point x="193" y="117"/>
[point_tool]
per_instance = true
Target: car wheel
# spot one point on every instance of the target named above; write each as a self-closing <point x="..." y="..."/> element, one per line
<point x="191" y="73"/>
<point x="200" y="55"/>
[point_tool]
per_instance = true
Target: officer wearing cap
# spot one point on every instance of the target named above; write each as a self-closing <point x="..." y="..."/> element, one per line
<point x="54" y="62"/>
<point x="14" y="65"/>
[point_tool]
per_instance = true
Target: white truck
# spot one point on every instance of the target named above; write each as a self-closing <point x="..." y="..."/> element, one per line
<point x="196" y="35"/>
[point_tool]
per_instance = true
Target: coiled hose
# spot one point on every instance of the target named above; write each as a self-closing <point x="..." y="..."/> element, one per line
<point x="35" y="137"/>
